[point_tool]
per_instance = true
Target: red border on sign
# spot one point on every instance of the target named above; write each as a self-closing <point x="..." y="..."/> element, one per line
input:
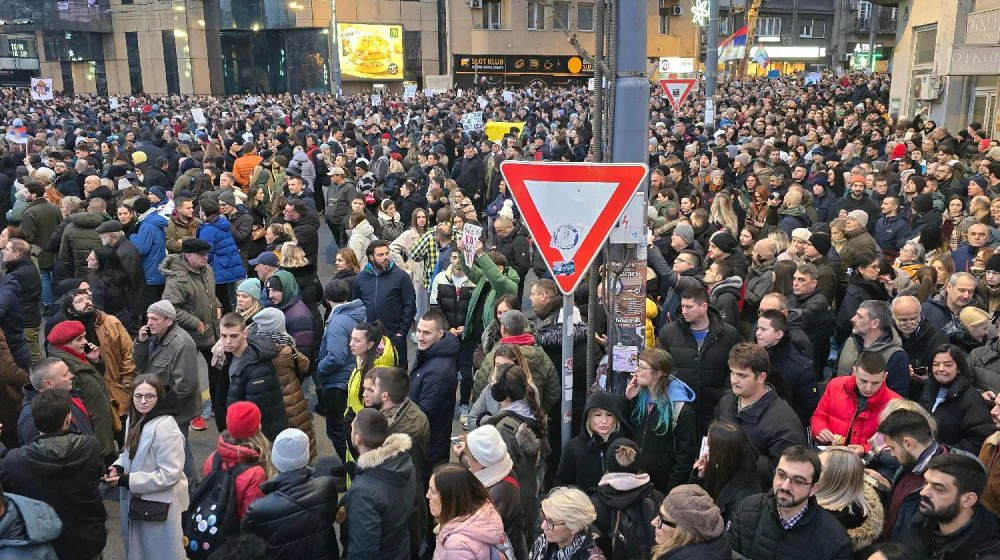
<point x="629" y="177"/>
<point x="676" y="103"/>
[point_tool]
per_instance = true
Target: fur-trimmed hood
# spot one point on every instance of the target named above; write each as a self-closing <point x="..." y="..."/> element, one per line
<point x="871" y="529"/>
<point x="381" y="458"/>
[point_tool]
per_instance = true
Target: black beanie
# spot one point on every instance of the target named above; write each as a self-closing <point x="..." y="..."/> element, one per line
<point x="622" y="457"/>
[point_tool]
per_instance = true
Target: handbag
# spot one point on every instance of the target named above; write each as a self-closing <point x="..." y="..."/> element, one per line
<point x="147" y="510"/>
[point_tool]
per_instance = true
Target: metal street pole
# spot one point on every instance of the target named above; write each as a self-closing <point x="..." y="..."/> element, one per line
<point x="334" y="50"/>
<point x="712" y="64"/>
<point x="872" y="22"/>
<point x="567" y="370"/>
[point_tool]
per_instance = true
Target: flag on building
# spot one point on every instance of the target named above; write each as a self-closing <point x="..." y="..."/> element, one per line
<point x="761" y="58"/>
<point x="734" y="47"/>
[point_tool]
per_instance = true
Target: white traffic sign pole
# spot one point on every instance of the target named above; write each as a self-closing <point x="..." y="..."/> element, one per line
<point x="567" y="369"/>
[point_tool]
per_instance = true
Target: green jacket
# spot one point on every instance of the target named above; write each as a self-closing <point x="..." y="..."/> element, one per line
<point x="193" y="294"/>
<point x="39" y="221"/>
<point x="502" y="282"/>
<point x="543" y="373"/>
<point x="80" y="238"/>
<point x="94" y="394"/>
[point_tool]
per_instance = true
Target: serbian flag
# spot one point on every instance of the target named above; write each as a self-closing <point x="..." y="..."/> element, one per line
<point x="761" y="58"/>
<point x="18" y="135"/>
<point x="734" y="47"/>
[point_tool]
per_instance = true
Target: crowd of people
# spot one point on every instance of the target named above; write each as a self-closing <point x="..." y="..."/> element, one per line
<point x="820" y="375"/>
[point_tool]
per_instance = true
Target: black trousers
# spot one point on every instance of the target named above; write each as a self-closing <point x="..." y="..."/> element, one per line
<point x="335" y="403"/>
<point x="218" y="389"/>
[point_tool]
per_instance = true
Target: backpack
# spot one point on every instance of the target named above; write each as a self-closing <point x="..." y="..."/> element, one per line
<point x="632" y="534"/>
<point x="211" y="519"/>
<point x="502" y="550"/>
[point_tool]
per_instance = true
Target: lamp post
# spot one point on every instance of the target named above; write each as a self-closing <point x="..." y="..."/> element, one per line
<point x="335" y="88"/>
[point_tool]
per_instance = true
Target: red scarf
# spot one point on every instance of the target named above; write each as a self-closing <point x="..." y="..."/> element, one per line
<point x="525" y="339"/>
<point x="72" y="352"/>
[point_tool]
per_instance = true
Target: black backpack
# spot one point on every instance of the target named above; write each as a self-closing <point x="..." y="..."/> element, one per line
<point x="631" y="534"/>
<point x="212" y="517"/>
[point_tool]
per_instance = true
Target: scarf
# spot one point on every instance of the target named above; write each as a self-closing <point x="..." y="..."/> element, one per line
<point x="525" y="339"/>
<point x="493" y="474"/>
<point x="992" y="297"/>
<point x="542" y="548"/>
<point x="280" y="338"/>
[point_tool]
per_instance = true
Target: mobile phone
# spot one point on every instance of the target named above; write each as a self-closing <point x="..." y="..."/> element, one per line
<point x="88" y="348"/>
<point x="877" y="442"/>
<point x="704" y="447"/>
<point x="456" y="441"/>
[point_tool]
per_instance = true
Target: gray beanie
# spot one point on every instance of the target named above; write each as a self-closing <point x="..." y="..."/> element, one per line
<point x="685" y="232"/>
<point x="269" y="320"/>
<point x="163" y="308"/>
<point x="290" y="451"/>
<point x="694" y="511"/>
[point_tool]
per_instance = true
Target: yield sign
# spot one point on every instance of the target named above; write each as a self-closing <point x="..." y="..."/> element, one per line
<point x="677" y="90"/>
<point x="570" y="209"/>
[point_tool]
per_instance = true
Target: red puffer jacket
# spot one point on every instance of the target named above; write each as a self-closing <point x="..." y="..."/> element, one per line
<point x="248" y="482"/>
<point x="838" y="406"/>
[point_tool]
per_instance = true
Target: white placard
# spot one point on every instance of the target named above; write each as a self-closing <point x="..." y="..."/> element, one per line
<point x="409" y="91"/>
<point x="482" y="102"/>
<point x="676" y="65"/>
<point x="198" y="114"/>
<point x="470" y="233"/>
<point x="508" y="97"/>
<point x="113" y="103"/>
<point x="472" y="122"/>
<point x="439" y="83"/>
<point x="41" y="89"/>
<point x="626" y="358"/>
<point x="376" y="100"/>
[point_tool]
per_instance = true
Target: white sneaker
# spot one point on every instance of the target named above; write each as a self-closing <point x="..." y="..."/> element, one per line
<point x="463" y="415"/>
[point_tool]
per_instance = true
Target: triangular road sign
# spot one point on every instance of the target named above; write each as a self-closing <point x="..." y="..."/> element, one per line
<point x="570" y="209"/>
<point x="677" y="90"/>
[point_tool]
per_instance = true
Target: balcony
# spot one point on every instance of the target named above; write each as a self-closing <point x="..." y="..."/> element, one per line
<point x="885" y="24"/>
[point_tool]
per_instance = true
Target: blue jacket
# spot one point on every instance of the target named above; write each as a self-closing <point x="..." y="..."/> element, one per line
<point x="12" y="321"/>
<point x="151" y="242"/>
<point x="433" y="381"/>
<point x="388" y="297"/>
<point x="225" y="256"/>
<point x="335" y="359"/>
<point x="891" y="233"/>
<point x="28" y="529"/>
<point x="963" y="257"/>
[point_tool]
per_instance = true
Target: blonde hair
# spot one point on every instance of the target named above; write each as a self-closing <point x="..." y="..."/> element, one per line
<point x="395" y="166"/>
<point x="681" y="537"/>
<point x="906" y="404"/>
<point x="292" y="256"/>
<point x="259" y="443"/>
<point x="570" y="506"/>
<point x="781" y="241"/>
<point x="723" y="214"/>
<point x="842" y="482"/>
<point x="614" y="419"/>
<point x="973" y="317"/>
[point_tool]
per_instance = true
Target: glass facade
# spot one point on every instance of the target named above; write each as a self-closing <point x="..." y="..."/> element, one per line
<point x="67" y="77"/>
<point x="170" y="61"/>
<point x="134" y="62"/>
<point x="275" y="60"/>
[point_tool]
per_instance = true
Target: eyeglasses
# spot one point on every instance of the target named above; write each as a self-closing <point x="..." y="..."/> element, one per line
<point x="664" y="521"/>
<point x="780" y="476"/>
<point x="548" y="524"/>
<point x="138" y="397"/>
<point x="907" y="320"/>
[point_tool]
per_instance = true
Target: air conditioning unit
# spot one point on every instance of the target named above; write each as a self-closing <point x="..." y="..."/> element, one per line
<point x="929" y="88"/>
<point x="476" y="4"/>
<point x="677" y="10"/>
<point x="786" y="41"/>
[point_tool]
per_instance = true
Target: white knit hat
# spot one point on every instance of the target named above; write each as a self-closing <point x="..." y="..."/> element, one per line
<point x="290" y="451"/>
<point x="486" y="445"/>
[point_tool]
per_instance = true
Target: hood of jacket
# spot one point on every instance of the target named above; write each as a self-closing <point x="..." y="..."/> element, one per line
<point x="386" y="463"/>
<point x="797" y="211"/>
<point x="485" y="526"/>
<point x="289" y="288"/>
<point x="58" y="455"/>
<point x="364" y="228"/>
<point x="36" y="523"/>
<point x="679" y="391"/>
<point x="220" y="223"/>
<point x="369" y="269"/>
<point x="234" y="454"/>
<point x="154" y="219"/>
<point x="383" y="217"/>
<point x="259" y="349"/>
<point x="733" y="284"/>
<point x="354" y="309"/>
<point x="621" y="490"/>
<point x="447" y="346"/>
<point x="88" y="220"/>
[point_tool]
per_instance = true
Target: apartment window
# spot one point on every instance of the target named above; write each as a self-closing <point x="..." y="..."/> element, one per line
<point x="768" y="27"/>
<point x="813" y="28"/>
<point x="536" y="16"/>
<point x="585" y="16"/>
<point x="170" y="61"/>
<point x="491" y="15"/>
<point x="864" y="10"/>
<point x="134" y="62"/>
<point x="725" y="26"/>
<point x="924" y="45"/>
<point x="560" y="15"/>
<point x="664" y="24"/>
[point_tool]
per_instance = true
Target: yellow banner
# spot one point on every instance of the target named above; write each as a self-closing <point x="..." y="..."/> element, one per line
<point x="496" y="130"/>
<point x="371" y="52"/>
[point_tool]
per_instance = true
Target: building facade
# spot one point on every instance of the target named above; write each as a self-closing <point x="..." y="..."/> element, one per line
<point x="946" y="63"/>
<point x="851" y="49"/>
<point x="795" y="34"/>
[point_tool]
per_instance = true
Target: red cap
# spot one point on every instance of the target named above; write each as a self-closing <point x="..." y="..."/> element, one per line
<point x="65" y="332"/>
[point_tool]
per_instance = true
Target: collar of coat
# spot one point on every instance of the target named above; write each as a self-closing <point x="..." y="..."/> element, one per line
<point x="393" y="445"/>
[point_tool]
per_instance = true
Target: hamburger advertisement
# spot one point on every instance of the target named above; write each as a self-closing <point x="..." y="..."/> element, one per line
<point x="371" y="52"/>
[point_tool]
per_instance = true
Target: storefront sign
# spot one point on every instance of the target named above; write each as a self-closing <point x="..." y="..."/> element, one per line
<point x="975" y="61"/>
<point x="983" y="28"/>
<point x="676" y="65"/>
<point x="521" y="64"/>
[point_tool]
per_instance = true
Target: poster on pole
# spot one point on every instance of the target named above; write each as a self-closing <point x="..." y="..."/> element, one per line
<point x="41" y="89"/>
<point x="472" y="122"/>
<point x="198" y="114"/>
<point x="470" y="233"/>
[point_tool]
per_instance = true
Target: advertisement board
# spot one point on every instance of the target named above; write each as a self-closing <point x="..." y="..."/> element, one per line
<point x="370" y="52"/>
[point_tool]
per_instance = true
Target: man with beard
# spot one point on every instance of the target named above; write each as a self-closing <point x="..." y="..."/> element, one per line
<point x="113" y="342"/>
<point x="952" y="521"/>
<point x="387" y="292"/>
<point x="787" y="522"/>
<point x="390" y="394"/>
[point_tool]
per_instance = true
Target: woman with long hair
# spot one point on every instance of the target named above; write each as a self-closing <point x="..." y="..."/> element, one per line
<point x="276" y="236"/>
<point x="944" y="266"/>
<point x="485" y="405"/>
<point x="784" y="271"/>
<point x="846" y="494"/>
<point x="126" y="215"/>
<point x="243" y="449"/>
<point x="468" y="525"/>
<point x="723" y="215"/>
<point x="567" y="517"/>
<point x="728" y="468"/>
<point x="963" y="417"/>
<point x="400" y="250"/>
<point x="522" y="417"/>
<point x="294" y="260"/>
<point x="955" y="221"/>
<point x="371" y="347"/>
<point x="257" y="209"/>
<point x="662" y="420"/>
<point x="248" y="299"/>
<point x="582" y="461"/>
<point x="864" y="285"/>
<point x="346" y="266"/>
<point x="110" y="286"/>
<point x="151" y="465"/>
<point x="689" y="525"/>
<point x="935" y="243"/>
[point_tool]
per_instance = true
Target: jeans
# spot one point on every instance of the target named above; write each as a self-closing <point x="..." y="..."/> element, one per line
<point x="47" y="297"/>
<point x="465" y="369"/>
<point x="226" y="293"/>
<point x="422" y="299"/>
<point x="335" y="403"/>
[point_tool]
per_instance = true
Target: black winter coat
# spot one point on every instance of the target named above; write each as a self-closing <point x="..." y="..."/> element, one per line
<point x="609" y="501"/>
<point x="858" y="292"/>
<point x="31" y="289"/>
<point x="470" y="174"/>
<point x="770" y="424"/>
<point x="725" y="297"/>
<point x="963" y="417"/>
<point x="63" y="469"/>
<point x="735" y="491"/>
<point x="704" y="369"/>
<point x="798" y="378"/>
<point x="514" y="248"/>
<point x="12" y="321"/>
<point x="816" y="319"/>
<point x="717" y="549"/>
<point x="667" y="458"/>
<point x="755" y="531"/>
<point x="252" y="377"/>
<point x="978" y="540"/>
<point x="433" y="382"/>
<point x="454" y="302"/>
<point x="296" y="516"/>
<point x="582" y="461"/>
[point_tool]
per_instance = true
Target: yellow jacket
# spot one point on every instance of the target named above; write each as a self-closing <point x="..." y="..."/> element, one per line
<point x="651" y="312"/>
<point x="386" y="359"/>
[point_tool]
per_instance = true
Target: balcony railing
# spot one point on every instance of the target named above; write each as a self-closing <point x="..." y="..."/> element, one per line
<point x="884" y="24"/>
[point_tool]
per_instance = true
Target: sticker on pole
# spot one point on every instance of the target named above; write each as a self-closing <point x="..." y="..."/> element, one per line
<point x="677" y="90"/>
<point x="571" y="208"/>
